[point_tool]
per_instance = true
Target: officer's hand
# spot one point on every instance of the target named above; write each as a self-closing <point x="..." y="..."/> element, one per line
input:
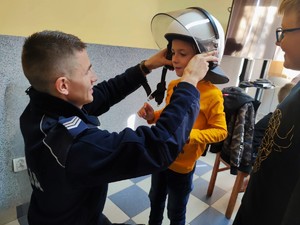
<point x="198" y="67"/>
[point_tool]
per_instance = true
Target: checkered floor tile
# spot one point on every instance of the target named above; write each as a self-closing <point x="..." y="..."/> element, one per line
<point x="128" y="201"/>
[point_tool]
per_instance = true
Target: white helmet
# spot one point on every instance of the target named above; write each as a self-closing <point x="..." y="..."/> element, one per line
<point x="196" y="25"/>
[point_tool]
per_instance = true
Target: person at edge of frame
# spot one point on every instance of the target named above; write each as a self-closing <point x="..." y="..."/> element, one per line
<point x="273" y="192"/>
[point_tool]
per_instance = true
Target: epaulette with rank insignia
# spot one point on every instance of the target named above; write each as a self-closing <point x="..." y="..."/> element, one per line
<point x="74" y="125"/>
<point x="60" y="138"/>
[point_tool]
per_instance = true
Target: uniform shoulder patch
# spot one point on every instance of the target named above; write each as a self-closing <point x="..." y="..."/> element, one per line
<point x="59" y="140"/>
<point x="74" y="125"/>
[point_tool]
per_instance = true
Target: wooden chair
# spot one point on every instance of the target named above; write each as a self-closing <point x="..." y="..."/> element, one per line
<point x="237" y="187"/>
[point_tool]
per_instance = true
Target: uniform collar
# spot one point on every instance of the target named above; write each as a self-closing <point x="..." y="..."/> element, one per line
<point x="56" y="107"/>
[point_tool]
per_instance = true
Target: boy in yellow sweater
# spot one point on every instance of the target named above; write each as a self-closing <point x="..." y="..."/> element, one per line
<point x="209" y="127"/>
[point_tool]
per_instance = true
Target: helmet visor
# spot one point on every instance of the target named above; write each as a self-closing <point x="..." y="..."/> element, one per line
<point x="189" y="22"/>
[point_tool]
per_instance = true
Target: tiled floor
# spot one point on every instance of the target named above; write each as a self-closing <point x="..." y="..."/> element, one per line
<point x="128" y="200"/>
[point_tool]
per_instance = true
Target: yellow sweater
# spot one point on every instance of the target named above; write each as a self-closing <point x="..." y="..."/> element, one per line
<point x="209" y="127"/>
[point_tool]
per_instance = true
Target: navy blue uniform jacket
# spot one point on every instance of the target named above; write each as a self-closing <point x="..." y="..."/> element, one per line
<point x="71" y="160"/>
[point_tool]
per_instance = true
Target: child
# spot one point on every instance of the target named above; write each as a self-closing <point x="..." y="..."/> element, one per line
<point x="209" y="127"/>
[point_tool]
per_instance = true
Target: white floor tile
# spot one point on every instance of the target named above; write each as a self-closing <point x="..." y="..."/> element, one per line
<point x="194" y="208"/>
<point x="13" y="223"/>
<point x="145" y="184"/>
<point x="142" y="218"/>
<point x="118" y="186"/>
<point x="114" y="213"/>
<point x="221" y="204"/>
<point x="224" y="180"/>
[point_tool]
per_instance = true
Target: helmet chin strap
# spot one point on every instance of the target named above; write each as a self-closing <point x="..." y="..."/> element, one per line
<point x="159" y="93"/>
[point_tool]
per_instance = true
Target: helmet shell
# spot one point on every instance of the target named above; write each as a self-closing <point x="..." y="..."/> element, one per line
<point x="191" y="24"/>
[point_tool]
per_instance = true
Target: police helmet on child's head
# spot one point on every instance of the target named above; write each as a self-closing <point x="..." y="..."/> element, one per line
<point x="193" y="25"/>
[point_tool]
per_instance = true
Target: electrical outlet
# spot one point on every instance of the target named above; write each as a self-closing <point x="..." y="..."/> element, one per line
<point x="19" y="164"/>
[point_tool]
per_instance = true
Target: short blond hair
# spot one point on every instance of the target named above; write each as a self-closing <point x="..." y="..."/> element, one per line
<point x="288" y="6"/>
<point x="284" y="91"/>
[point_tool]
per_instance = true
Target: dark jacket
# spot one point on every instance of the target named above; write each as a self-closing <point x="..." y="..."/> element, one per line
<point x="236" y="149"/>
<point x="71" y="160"/>
<point x="272" y="195"/>
<point x="259" y="131"/>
